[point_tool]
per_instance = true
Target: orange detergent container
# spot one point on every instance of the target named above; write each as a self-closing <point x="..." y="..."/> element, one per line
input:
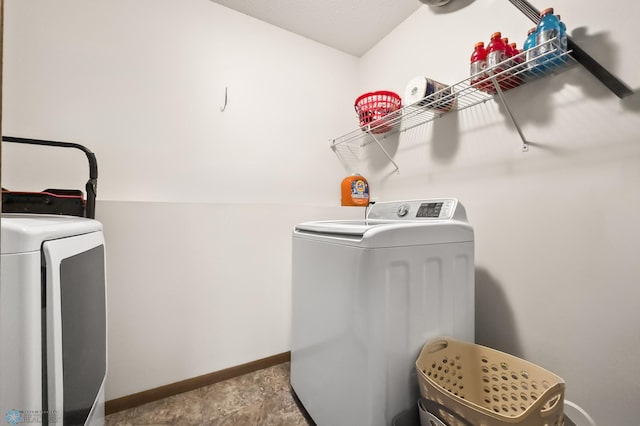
<point x="355" y="191"/>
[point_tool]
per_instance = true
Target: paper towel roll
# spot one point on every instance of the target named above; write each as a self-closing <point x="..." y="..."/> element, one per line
<point x="436" y="95"/>
<point x="415" y="90"/>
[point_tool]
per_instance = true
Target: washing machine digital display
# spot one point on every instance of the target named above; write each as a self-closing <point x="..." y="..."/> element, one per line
<point x="429" y="210"/>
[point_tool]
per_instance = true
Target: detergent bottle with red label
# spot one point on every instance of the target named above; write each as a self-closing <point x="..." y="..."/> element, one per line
<point x="355" y="191"/>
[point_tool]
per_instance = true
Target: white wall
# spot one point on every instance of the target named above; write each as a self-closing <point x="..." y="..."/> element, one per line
<point x="556" y="230"/>
<point x="197" y="204"/>
<point x="143" y="83"/>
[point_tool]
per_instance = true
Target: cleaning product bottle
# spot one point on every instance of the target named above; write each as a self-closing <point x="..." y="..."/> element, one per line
<point x="355" y="191"/>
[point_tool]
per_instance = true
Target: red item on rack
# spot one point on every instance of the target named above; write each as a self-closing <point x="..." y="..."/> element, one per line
<point x="374" y="110"/>
<point x="478" y="68"/>
<point x="497" y="64"/>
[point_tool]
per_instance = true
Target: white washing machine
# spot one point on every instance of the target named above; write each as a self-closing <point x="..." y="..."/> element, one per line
<point x="367" y="295"/>
<point x="53" y="329"/>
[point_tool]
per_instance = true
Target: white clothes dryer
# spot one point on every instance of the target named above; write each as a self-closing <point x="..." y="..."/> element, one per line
<point x="367" y="295"/>
<point x="53" y="325"/>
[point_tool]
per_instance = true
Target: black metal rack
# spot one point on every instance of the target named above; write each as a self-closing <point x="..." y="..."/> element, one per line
<point x="56" y="201"/>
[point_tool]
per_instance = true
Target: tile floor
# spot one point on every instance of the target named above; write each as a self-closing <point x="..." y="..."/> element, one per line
<point x="261" y="398"/>
<point x="258" y="398"/>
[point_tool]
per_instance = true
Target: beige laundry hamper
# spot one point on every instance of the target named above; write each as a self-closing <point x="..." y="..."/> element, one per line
<point x="486" y="387"/>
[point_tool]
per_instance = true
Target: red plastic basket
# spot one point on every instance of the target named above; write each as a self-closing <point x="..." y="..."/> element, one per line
<point x="373" y="107"/>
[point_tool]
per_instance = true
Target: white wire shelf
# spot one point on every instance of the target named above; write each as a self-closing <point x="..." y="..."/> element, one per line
<point x="509" y="74"/>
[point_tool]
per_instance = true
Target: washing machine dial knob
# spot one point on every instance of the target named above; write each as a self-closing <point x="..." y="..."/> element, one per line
<point x="403" y="210"/>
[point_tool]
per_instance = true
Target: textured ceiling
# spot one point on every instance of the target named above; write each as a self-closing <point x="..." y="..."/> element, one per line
<point x="352" y="26"/>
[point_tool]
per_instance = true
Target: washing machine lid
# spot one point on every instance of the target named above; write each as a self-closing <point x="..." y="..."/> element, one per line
<point x="22" y="233"/>
<point x="394" y="224"/>
<point x="353" y="228"/>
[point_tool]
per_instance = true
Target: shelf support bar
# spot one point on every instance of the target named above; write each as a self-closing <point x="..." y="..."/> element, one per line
<point x="525" y="146"/>
<point x="384" y="151"/>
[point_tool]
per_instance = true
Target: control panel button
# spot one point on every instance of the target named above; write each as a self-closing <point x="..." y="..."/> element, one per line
<point x="403" y="210"/>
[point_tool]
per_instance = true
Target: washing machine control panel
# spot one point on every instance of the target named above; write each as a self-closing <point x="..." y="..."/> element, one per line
<point x="415" y="209"/>
<point x="435" y="210"/>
